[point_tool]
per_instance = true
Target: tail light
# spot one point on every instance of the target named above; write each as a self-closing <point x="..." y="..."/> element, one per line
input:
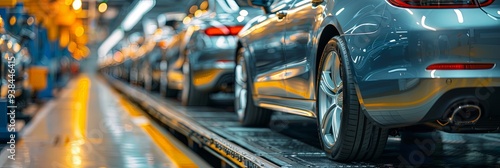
<point x="440" y="3"/>
<point x="223" y="31"/>
<point x="460" y="66"/>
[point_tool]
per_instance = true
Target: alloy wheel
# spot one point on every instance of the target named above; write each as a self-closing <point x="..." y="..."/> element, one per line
<point x="186" y="82"/>
<point x="330" y="99"/>
<point x="240" y="88"/>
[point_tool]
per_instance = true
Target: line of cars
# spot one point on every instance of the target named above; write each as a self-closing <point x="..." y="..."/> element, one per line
<point x="363" y="69"/>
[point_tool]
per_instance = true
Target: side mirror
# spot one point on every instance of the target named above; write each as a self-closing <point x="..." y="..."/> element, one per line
<point x="265" y="4"/>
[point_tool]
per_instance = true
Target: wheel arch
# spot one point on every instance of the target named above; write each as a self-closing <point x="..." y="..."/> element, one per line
<point x="328" y="33"/>
<point x="251" y="68"/>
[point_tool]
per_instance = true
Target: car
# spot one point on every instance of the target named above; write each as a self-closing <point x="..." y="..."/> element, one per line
<point x="200" y="57"/>
<point x="149" y="65"/>
<point x="364" y="68"/>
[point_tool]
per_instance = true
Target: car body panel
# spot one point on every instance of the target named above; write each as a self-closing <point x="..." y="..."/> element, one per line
<point x="493" y="9"/>
<point x="389" y="49"/>
<point x="266" y="45"/>
<point x="299" y="81"/>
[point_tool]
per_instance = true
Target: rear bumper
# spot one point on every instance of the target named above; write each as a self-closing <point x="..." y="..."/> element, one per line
<point x="214" y="80"/>
<point x="212" y="70"/>
<point x="389" y="60"/>
<point x="402" y="102"/>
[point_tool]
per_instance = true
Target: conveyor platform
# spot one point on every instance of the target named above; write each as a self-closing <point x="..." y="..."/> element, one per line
<point x="292" y="141"/>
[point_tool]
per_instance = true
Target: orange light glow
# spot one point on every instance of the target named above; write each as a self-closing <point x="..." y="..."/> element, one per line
<point x="72" y="47"/>
<point x="12" y="20"/>
<point x="79" y="31"/>
<point x="64" y="38"/>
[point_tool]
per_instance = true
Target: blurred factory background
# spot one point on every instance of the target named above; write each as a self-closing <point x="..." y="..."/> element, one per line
<point x="174" y="83"/>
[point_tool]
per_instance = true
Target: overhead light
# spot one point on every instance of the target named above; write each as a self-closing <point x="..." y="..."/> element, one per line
<point x="77" y="4"/>
<point x="136" y="14"/>
<point x="110" y="42"/>
<point x="132" y="18"/>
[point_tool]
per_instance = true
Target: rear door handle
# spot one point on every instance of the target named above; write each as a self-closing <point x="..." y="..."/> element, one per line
<point x="281" y="14"/>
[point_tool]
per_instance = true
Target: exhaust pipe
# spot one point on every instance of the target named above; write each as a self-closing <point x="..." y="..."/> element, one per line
<point x="467" y="114"/>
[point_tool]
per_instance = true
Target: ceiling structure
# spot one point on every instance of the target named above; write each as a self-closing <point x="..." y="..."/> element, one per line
<point x="123" y="7"/>
<point x="109" y="22"/>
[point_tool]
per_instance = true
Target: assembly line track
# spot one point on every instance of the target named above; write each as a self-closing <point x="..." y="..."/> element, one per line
<point x="218" y="131"/>
<point x="184" y="124"/>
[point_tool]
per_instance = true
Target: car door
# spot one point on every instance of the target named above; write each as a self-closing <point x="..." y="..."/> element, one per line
<point x="267" y="46"/>
<point x="297" y="48"/>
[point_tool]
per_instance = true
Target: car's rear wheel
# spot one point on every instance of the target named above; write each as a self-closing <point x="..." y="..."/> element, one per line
<point x="345" y="132"/>
<point x="248" y="114"/>
<point x="190" y="95"/>
<point x="164" y="89"/>
<point x="148" y="81"/>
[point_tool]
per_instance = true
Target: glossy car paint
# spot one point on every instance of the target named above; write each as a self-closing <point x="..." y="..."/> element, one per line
<point x="211" y="58"/>
<point x="389" y="49"/>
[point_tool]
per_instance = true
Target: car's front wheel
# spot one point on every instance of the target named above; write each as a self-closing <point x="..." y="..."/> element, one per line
<point x="345" y="132"/>
<point x="248" y="114"/>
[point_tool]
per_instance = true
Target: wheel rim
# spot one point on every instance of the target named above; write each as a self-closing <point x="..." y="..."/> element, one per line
<point x="330" y="99"/>
<point x="186" y="86"/>
<point x="163" y="77"/>
<point x="240" y="89"/>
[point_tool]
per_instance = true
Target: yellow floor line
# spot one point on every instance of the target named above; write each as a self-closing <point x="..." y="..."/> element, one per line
<point x="173" y="153"/>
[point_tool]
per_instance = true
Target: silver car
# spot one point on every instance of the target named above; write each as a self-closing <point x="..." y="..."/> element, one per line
<point x="200" y="58"/>
<point x="365" y="67"/>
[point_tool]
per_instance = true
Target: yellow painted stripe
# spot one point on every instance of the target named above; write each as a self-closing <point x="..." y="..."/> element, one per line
<point x="168" y="148"/>
<point x="173" y="153"/>
<point x="224" y="153"/>
<point x="81" y="99"/>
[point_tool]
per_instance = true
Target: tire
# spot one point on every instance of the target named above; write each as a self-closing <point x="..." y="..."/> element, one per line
<point x="190" y="95"/>
<point x="345" y="132"/>
<point x="249" y="114"/>
<point x="170" y="93"/>
<point x="155" y="86"/>
<point x="164" y="89"/>
<point x="148" y="82"/>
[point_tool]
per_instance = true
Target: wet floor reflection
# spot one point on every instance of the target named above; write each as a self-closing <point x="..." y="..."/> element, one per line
<point x="86" y="127"/>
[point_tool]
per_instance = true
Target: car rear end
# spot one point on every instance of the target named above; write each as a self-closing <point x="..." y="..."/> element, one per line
<point x="431" y="61"/>
<point x="212" y="51"/>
